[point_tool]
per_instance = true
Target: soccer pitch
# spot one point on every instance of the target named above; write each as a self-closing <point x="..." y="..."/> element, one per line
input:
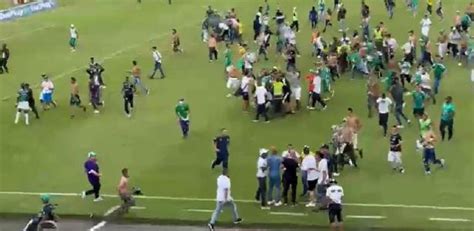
<point x="175" y="174"/>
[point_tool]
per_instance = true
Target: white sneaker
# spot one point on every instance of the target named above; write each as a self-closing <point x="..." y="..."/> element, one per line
<point x="408" y="121"/>
<point x="129" y="115"/>
<point x="98" y="199"/>
<point x="427" y="172"/>
<point x="96" y="111"/>
<point x="335" y="174"/>
<point x="310" y="204"/>
<point x="325" y="107"/>
<point x="271" y="202"/>
<point x="83" y="194"/>
<point x="400" y="126"/>
<point x="228" y="95"/>
<point x="351" y="164"/>
<point x="278" y="204"/>
<point x="442" y="162"/>
<point x="255" y="121"/>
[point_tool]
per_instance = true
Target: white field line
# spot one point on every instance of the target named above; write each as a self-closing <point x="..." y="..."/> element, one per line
<point x="289" y="214"/>
<point x="365" y="217"/>
<point x="138" y="208"/>
<point x="98" y="226"/>
<point x="244" y="201"/>
<point x="107" y="57"/>
<point x="448" y="219"/>
<point x="111" y="210"/>
<point x="45" y="27"/>
<point x="200" y="210"/>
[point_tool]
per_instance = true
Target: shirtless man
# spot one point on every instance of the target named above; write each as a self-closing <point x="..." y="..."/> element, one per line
<point x="124" y="194"/>
<point x="346" y="147"/>
<point x="373" y="93"/>
<point x="353" y="122"/>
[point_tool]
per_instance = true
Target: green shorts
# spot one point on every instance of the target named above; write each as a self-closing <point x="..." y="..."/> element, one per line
<point x="72" y="42"/>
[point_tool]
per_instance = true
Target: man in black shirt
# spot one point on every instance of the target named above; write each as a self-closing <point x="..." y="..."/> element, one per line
<point x="128" y="89"/>
<point x="31" y="100"/>
<point x="341" y="18"/>
<point x="291" y="58"/>
<point x="290" y="178"/>
<point x="395" y="153"/>
<point x="396" y="90"/>
<point x="221" y="146"/>
<point x="4" y="56"/>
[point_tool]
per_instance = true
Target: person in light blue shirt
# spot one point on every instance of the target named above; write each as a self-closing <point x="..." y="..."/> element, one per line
<point x="274" y="175"/>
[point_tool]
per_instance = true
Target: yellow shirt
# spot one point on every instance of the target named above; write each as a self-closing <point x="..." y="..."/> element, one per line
<point x="429" y="2"/>
<point x="277" y="88"/>
<point x="241" y="28"/>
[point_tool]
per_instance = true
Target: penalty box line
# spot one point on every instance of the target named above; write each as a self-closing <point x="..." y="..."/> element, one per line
<point x="196" y="199"/>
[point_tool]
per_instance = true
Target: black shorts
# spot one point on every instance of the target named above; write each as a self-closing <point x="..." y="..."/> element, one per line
<point x="75" y="100"/>
<point x="418" y="111"/>
<point x="245" y="96"/>
<point x="383" y="118"/>
<point x="335" y="213"/>
<point x="312" y="184"/>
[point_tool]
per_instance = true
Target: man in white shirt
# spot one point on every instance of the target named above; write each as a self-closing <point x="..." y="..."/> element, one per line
<point x="262" y="166"/>
<point x="334" y="194"/>
<point x="244" y="86"/>
<point x="310" y="167"/>
<point x="261" y="100"/>
<point x="316" y="94"/>
<point x="425" y="25"/>
<point x="426" y="85"/>
<point x="323" y="178"/>
<point x="158" y="60"/>
<point x="73" y="37"/>
<point x="223" y="199"/>
<point x="384" y="104"/>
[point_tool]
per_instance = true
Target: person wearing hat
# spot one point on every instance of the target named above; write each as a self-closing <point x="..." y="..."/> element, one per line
<point x="334" y="194"/>
<point x="73" y="37"/>
<point x="46" y="96"/>
<point x="48" y="217"/>
<point x="93" y="175"/>
<point x="182" y="111"/>
<point x="262" y="166"/>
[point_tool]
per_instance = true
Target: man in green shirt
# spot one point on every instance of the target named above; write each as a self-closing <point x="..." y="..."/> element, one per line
<point x="418" y="102"/>
<point x="227" y="56"/>
<point x="425" y="125"/>
<point x="23" y="107"/>
<point x="182" y="111"/>
<point x="447" y="118"/>
<point x="438" y="70"/>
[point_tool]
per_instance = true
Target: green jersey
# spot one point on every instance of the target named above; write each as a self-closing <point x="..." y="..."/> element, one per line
<point x="240" y="64"/>
<point x="22" y="95"/>
<point x="425" y="126"/>
<point x="466" y="20"/>
<point x="354" y="58"/>
<point x="326" y="78"/>
<point x="414" y="3"/>
<point x="182" y="111"/>
<point x="388" y="80"/>
<point x="228" y="57"/>
<point x="417" y="79"/>
<point x="418" y="99"/>
<point x="447" y="113"/>
<point x="438" y="70"/>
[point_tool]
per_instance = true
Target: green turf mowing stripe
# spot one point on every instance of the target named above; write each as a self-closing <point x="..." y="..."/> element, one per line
<point x="195" y="199"/>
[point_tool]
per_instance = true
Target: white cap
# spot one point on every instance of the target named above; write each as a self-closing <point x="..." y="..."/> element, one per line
<point x="263" y="150"/>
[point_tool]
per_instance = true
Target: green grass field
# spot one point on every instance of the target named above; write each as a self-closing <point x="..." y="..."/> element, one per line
<point x="47" y="156"/>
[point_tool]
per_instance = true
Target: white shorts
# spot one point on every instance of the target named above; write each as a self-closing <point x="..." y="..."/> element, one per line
<point x="355" y="140"/>
<point x="233" y="83"/>
<point x="394" y="157"/>
<point x="296" y="93"/>
<point x="23" y="105"/>
<point x="442" y="49"/>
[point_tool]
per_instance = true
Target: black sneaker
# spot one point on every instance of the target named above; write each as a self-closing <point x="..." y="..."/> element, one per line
<point x="211" y="227"/>
<point x="238" y="221"/>
<point x="361" y="153"/>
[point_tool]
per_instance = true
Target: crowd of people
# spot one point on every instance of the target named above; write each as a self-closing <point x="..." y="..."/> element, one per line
<point x="371" y="54"/>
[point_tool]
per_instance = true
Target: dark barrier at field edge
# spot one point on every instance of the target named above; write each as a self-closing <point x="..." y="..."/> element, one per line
<point x="27" y="9"/>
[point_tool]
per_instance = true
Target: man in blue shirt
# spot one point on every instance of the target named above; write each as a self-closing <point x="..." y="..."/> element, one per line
<point x="221" y="144"/>
<point x="274" y="175"/>
<point x="92" y="170"/>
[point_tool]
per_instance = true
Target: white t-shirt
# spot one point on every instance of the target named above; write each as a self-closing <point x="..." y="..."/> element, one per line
<point x="287" y="153"/>
<point x="223" y="26"/>
<point x="244" y="84"/>
<point x="335" y="193"/>
<point x="157" y="56"/>
<point x="73" y="32"/>
<point x="383" y="105"/>
<point x="47" y="86"/>
<point x="223" y="183"/>
<point x="323" y="167"/>
<point x="392" y="43"/>
<point x="317" y="84"/>
<point x="261" y="163"/>
<point x="425" y="26"/>
<point x="292" y="38"/>
<point x="309" y="165"/>
<point x="425" y="81"/>
<point x="260" y="94"/>
<point x="406" y="48"/>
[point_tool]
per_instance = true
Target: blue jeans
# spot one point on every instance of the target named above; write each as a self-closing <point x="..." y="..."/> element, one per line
<point x="138" y="83"/>
<point x="275" y="182"/>
<point x="436" y="85"/>
<point x="220" y="206"/>
<point x="304" y="180"/>
<point x="158" y="68"/>
<point x="184" y="127"/>
<point x="399" y="113"/>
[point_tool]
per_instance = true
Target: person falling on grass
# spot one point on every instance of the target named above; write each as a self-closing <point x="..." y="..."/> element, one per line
<point x="75" y="100"/>
<point x="176" y="42"/>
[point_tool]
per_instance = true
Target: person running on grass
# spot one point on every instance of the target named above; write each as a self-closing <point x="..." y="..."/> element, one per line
<point x="74" y="35"/>
<point x="124" y="193"/>
<point x="136" y="75"/>
<point x="93" y="175"/>
<point x="75" y="100"/>
<point x="176" y="42"/>
<point x="128" y="90"/>
<point x="46" y="97"/>
<point x="447" y="118"/>
<point x="429" y="154"/>
<point x="384" y="105"/>
<point x="395" y="151"/>
<point x="182" y="112"/>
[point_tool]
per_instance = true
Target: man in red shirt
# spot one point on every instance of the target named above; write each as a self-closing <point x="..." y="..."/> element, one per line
<point x="310" y="78"/>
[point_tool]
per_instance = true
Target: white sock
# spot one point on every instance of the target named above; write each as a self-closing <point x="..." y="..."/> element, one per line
<point x="17" y="117"/>
<point x="27" y="121"/>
